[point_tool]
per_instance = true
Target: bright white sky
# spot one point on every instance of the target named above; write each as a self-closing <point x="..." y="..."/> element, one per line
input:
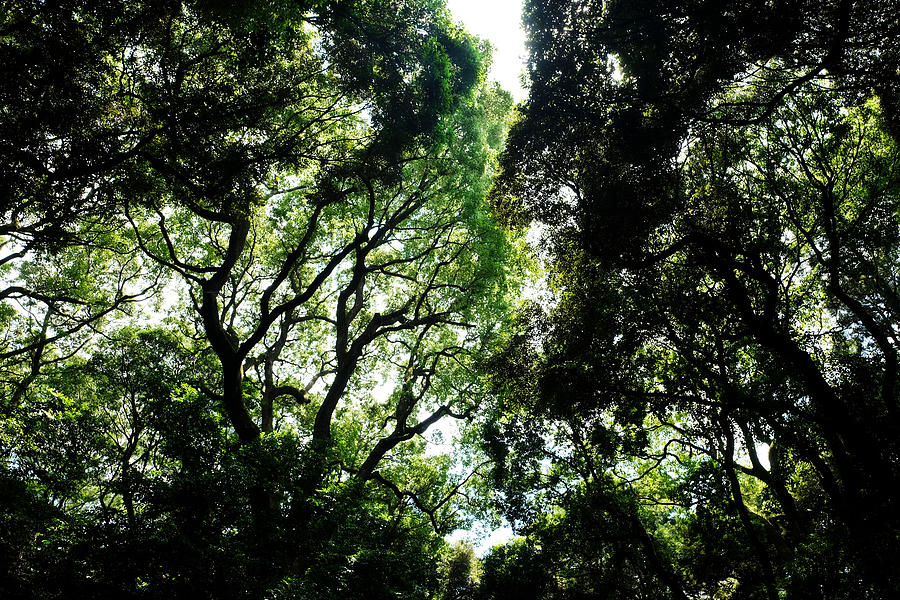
<point x="499" y="22"/>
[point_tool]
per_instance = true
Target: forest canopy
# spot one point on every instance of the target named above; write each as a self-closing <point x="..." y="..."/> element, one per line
<point x="247" y="265"/>
<point x="710" y="407"/>
<point x="289" y="292"/>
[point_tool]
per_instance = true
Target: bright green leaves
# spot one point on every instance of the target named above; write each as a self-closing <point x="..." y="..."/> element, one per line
<point x="274" y="275"/>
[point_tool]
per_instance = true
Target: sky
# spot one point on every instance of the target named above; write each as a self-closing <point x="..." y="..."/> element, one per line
<point x="500" y="22"/>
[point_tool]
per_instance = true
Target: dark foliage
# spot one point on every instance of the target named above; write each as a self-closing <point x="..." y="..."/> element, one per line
<point x="719" y="186"/>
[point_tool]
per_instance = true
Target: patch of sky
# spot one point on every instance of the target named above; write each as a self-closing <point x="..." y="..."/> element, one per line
<point x="500" y="23"/>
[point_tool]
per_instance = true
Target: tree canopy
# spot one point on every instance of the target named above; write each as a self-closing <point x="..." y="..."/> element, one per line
<point x="247" y="265"/>
<point x="271" y="324"/>
<point x="710" y="406"/>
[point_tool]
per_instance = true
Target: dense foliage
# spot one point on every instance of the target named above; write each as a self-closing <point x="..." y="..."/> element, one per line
<point x="710" y="409"/>
<point x="248" y="266"/>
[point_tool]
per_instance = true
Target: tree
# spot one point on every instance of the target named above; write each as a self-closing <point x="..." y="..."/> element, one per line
<point x="298" y="188"/>
<point x="514" y="570"/>
<point x="460" y="572"/>
<point x="720" y="188"/>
